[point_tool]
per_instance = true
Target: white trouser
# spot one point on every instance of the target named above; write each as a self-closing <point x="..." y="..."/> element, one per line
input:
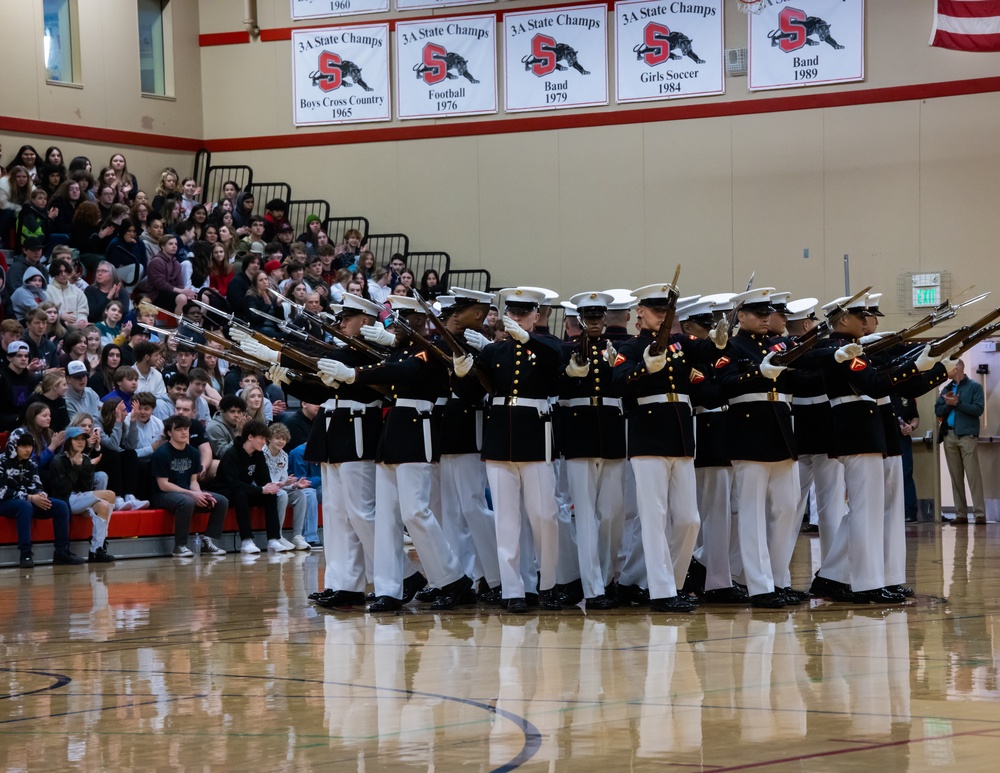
<point x="407" y="495"/>
<point x="299" y="500"/>
<point x="713" y="485"/>
<point x="536" y="482"/>
<point x="631" y="559"/>
<point x="895" y="521"/>
<point x="766" y="520"/>
<point x="828" y="475"/>
<point x="568" y="566"/>
<point x="668" y="509"/>
<point x="464" y="510"/>
<point x="596" y="488"/>
<point x="857" y="556"/>
<point x="348" y="524"/>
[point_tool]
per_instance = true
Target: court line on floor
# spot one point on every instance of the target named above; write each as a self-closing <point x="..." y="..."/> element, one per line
<point x="61" y="681"/>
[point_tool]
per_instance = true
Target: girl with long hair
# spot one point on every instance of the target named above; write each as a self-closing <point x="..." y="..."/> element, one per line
<point x="102" y="380"/>
<point x="37" y="424"/>
<point x="127" y="182"/>
<point x="51" y="392"/>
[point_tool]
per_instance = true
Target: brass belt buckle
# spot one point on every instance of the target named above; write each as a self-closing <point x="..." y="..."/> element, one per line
<point x="595" y="401"/>
<point x="772" y="397"/>
<point x="673" y="397"/>
<point x="512" y="402"/>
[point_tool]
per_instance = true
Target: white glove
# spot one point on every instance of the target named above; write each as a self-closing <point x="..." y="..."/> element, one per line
<point x="720" y="334"/>
<point x="514" y="330"/>
<point x="870" y="339"/>
<point x="769" y="370"/>
<point x="475" y="339"/>
<point x="654" y="364"/>
<point x="278" y="375"/>
<point x="462" y="365"/>
<point x="239" y="335"/>
<point x="848" y="352"/>
<point x="925" y="361"/>
<point x="378" y="334"/>
<point x="575" y="370"/>
<point x="610" y="354"/>
<point x="950" y="360"/>
<point x="336" y="370"/>
<point x="329" y="380"/>
<point x="259" y="351"/>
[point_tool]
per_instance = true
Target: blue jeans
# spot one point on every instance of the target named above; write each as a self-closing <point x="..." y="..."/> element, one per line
<point x="23" y="511"/>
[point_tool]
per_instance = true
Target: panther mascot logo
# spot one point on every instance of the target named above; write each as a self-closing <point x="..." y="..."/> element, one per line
<point x="796" y="29"/>
<point x="659" y="44"/>
<point x="335" y="72"/>
<point x="546" y="54"/>
<point x="438" y="64"/>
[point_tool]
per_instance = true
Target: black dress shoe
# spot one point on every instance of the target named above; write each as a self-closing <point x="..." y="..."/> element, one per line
<point x="910" y="519"/>
<point x="411" y="585"/>
<point x="455" y="593"/>
<point x="810" y="528"/>
<point x="531" y="599"/>
<point x="823" y="588"/>
<point x="601" y="602"/>
<point x="791" y="593"/>
<point x="629" y="595"/>
<point x="385" y="604"/>
<point x="101" y="556"/>
<point x="878" y="596"/>
<point x="342" y="598"/>
<point x="27" y="561"/>
<point x="694" y="582"/>
<point x="518" y="606"/>
<point x="569" y="594"/>
<point x="427" y="594"/>
<point x="772" y="600"/>
<point x="671" y="604"/>
<point x="903" y="590"/>
<point x="321" y="594"/>
<point x="67" y="557"/>
<point x="550" y="599"/>
<point x="488" y="595"/>
<point x="724" y="596"/>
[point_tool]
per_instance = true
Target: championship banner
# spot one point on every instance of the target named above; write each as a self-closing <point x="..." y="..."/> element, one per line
<point x="556" y="58"/>
<point x="318" y="9"/>
<point x="806" y="43"/>
<point x="341" y="75"/>
<point x="446" y="67"/>
<point x="665" y="49"/>
<point x="411" y="5"/>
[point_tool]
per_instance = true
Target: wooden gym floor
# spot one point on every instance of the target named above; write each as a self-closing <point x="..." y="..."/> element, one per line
<point x="156" y="664"/>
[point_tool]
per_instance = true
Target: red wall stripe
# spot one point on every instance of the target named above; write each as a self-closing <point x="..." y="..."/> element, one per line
<point x="223" y="38"/>
<point x="546" y="122"/>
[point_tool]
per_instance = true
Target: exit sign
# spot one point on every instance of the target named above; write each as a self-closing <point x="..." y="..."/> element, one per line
<point x="926" y="290"/>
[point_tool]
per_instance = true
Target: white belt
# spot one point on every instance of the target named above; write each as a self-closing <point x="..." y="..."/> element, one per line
<point x="356" y="409"/>
<point x="424" y="408"/>
<point x="581" y="402"/>
<point x="883" y="401"/>
<point x="698" y="411"/>
<point x="817" y="400"/>
<point x="543" y="406"/>
<point x="761" y="397"/>
<point x="441" y="401"/>
<point x="851" y="399"/>
<point x="669" y="397"/>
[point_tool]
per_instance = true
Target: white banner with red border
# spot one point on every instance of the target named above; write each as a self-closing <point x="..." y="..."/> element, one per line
<point x="806" y="43"/>
<point x="412" y="5"/>
<point x="446" y="66"/>
<point x="556" y="58"/>
<point x="666" y="49"/>
<point x="341" y="75"/>
<point x="319" y="9"/>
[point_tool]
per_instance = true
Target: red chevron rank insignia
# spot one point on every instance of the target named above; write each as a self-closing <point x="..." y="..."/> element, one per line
<point x="722" y="362"/>
<point x="697" y="376"/>
<point x="858" y="364"/>
<point x="619" y="360"/>
<point x="421" y="356"/>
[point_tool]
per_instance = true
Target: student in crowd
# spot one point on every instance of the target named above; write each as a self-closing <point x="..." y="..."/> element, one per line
<point x="38" y="425"/>
<point x="226" y="425"/>
<point x="126" y="380"/>
<point x="51" y="393"/>
<point x="102" y="380"/>
<point x="72" y="302"/>
<point x="26" y="298"/>
<point x="71" y="479"/>
<point x="42" y="352"/>
<point x="175" y="468"/>
<point x="198" y="439"/>
<point x="143" y="434"/>
<point x="244" y="478"/>
<point x="303" y="470"/>
<point x="294" y="491"/>
<point x="119" y="462"/>
<point x="148" y="360"/>
<point x="17" y="383"/>
<point x="79" y="397"/>
<point x="299" y="424"/>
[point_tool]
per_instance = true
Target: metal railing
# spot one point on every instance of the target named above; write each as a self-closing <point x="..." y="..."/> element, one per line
<point x="217" y="176"/>
<point x="336" y="227"/>
<point x="469" y="278"/>
<point x="384" y="246"/>
<point x="419" y="262"/>
<point x="265" y="192"/>
<point x="299" y="210"/>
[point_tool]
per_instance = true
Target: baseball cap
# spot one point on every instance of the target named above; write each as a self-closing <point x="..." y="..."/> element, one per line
<point x="15" y="347"/>
<point x="76" y="368"/>
<point x="286" y="226"/>
<point x="257" y="247"/>
<point x="32" y="243"/>
<point x="271" y="265"/>
<point x="72" y="432"/>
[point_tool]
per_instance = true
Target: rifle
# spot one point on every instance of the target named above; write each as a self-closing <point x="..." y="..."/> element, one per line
<point x="975" y="338"/>
<point x="303" y="336"/>
<point x="943" y="312"/>
<point x="731" y="314"/>
<point x="450" y="341"/>
<point x="214" y="337"/>
<point x="951" y="340"/>
<point x="422" y="342"/>
<point x="357" y="344"/>
<point x="819" y="331"/>
<point x="662" y="341"/>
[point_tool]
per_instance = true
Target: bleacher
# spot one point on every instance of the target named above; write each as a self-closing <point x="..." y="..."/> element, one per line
<point x="145" y="533"/>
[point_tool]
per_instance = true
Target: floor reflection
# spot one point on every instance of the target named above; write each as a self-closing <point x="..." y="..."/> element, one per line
<point x="222" y="663"/>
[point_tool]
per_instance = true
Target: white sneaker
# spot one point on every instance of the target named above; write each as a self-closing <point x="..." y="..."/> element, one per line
<point x="300" y="543"/>
<point x="121" y="505"/>
<point x="288" y="545"/>
<point x="182" y="551"/>
<point x="249" y="547"/>
<point x="209" y="547"/>
<point x="137" y="504"/>
<point x="276" y="546"/>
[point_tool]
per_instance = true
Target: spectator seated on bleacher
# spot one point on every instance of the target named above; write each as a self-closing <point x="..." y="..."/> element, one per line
<point x="303" y="470"/>
<point x="294" y="491"/>
<point x="126" y="380"/>
<point x="177" y="386"/>
<point x="119" y="461"/>
<point x="80" y="398"/>
<point x="30" y="294"/>
<point x="274" y="218"/>
<point x="51" y="393"/>
<point x="74" y="310"/>
<point x="225" y="426"/>
<point x="17" y="382"/>
<point x="236" y="294"/>
<point x="144" y="434"/>
<point x="30" y="257"/>
<point x="198" y="439"/>
<point x="148" y="360"/>
<point x="105" y="289"/>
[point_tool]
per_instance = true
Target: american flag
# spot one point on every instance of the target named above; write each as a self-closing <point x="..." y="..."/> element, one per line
<point x="967" y="25"/>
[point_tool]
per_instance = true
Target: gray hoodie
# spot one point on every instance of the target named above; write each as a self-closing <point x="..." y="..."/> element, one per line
<point x="86" y="401"/>
<point x="25" y="297"/>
